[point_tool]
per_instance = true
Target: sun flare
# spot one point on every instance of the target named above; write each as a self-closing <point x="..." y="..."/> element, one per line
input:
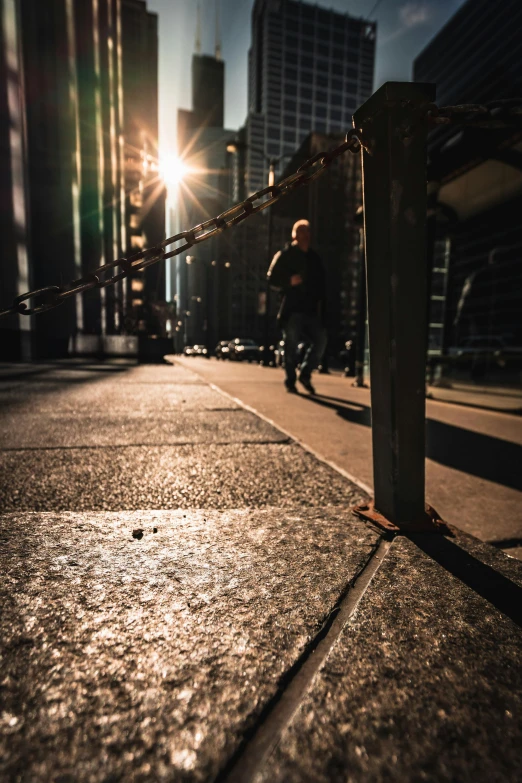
<point x="173" y="170"/>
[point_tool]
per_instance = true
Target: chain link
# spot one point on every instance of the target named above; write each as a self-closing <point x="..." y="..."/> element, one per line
<point x="497" y="114"/>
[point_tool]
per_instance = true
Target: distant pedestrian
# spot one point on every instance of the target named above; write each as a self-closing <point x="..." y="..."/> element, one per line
<point x="298" y="272"/>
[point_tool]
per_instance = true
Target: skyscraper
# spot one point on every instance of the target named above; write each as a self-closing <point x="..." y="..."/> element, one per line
<point x="202" y="274"/>
<point x="67" y="148"/>
<point x="309" y="69"/>
<point x="476" y="182"/>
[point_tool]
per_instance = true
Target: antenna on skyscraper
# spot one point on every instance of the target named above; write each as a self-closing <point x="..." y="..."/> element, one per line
<point x="198" y="32"/>
<point x="218" y="35"/>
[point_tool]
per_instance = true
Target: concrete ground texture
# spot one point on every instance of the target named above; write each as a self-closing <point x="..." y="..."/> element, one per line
<point x="186" y="595"/>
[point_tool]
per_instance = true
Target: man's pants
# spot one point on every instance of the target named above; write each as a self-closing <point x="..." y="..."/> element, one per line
<point x="301" y="327"/>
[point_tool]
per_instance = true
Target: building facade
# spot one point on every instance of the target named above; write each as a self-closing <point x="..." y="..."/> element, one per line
<point x="202" y="274"/>
<point x="64" y="171"/>
<point x="309" y="69"/>
<point x="475" y="189"/>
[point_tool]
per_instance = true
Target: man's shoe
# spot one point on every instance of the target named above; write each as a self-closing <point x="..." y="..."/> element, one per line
<point x="306" y="382"/>
<point x="290" y="387"/>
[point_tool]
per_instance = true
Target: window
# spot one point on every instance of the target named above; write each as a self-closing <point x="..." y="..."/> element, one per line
<point x="273" y="149"/>
<point x="321" y="81"/>
<point x="353" y="41"/>
<point x="335" y="115"/>
<point x="307" y="29"/>
<point x="305" y="108"/>
<point x="274" y="133"/>
<point x="290" y="105"/>
<point x="306" y="77"/>
<point x="351" y="87"/>
<point x="323" y="33"/>
<point x="337" y="69"/>
<point x="320" y="96"/>
<point x="338" y="37"/>
<point x="291" y="73"/>
<point x="320" y="127"/>
<point x="337" y="99"/>
<point x="306" y="92"/>
<point x="290" y="120"/>
<point x="292" y="25"/>
<point x="305" y="123"/>
<point x="338" y="54"/>
<point x="307" y="62"/>
<point x="323" y="50"/>
<point x="322" y="65"/>
<point x="291" y="42"/>
<point x="289" y="135"/>
<point x="352" y="57"/>
<point x="337" y="85"/>
<point x="320" y="111"/>
<point x="291" y="58"/>
<point x="351" y="73"/>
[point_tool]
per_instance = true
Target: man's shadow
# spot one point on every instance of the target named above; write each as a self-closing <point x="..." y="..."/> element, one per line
<point x="471" y="452"/>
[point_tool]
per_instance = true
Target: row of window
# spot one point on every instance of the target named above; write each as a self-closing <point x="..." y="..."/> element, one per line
<point x="306" y="61"/>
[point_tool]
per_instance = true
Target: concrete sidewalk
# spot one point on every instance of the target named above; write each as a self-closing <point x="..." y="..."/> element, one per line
<point x="473" y="456"/>
<point x="187" y="597"/>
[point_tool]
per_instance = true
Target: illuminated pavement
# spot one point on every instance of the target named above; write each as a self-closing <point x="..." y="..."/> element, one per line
<point x="187" y="597"/>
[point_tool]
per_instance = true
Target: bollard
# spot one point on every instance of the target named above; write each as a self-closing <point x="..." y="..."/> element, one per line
<point x="394" y="185"/>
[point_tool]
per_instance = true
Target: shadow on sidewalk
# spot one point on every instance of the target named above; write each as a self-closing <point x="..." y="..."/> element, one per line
<point x="484" y="580"/>
<point x="471" y="452"/>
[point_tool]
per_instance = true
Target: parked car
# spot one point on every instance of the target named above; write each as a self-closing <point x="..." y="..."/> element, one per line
<point x="222" y="350"/>
<point x="244" y="350"/>
<point x="196" y="350"/>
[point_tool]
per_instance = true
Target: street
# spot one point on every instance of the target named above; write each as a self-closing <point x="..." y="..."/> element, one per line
<point x="473" y="470"/>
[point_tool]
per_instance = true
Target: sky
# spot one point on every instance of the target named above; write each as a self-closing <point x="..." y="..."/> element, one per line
<point x="404" y="27"/>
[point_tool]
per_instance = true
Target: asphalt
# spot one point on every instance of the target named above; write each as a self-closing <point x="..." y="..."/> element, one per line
<point x="186" y="596"/>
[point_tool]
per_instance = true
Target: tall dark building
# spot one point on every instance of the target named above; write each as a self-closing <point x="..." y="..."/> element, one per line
<point x="208" y="90"/>
<point x="202" y="275"/>
<point x="145" y="190"/>
<point x="64" y="137"/>
<point x="309" y="69"/>
<point x="475" y="191"/>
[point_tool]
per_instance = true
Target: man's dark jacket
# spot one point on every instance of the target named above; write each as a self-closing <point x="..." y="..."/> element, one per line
<point x="309" y="296"/>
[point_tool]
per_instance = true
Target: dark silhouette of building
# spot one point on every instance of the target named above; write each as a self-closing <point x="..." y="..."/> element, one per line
<point x="309" y="69"/>
<point x="475" y="190"/>
<point x="64" y="171"/>
<point x="202" y="274"/>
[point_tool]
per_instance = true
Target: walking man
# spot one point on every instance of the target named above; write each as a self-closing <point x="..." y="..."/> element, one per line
<point x="298" y="272"/>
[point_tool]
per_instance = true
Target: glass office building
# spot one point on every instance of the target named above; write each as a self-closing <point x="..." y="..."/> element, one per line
<point x="309" y="69"/>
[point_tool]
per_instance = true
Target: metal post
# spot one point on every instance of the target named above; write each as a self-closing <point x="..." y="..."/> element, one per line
<point x="266" y="352"/>
<point x="394" y="180"/>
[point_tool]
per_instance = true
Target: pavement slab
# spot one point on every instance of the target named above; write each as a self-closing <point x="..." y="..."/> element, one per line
<point x="149" y="658"/>
<point x="110" y="397"/>
<point x="424" y="682"/>
<point x="170" y="477"/>
<point x="63" y="430"/>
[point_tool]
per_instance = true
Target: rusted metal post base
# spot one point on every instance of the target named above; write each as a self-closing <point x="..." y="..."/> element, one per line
<point x="429" y="522"/>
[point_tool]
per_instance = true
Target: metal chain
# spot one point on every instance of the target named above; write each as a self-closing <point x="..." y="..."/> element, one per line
<point x="53" y="296"/>
<point x="497" y="114"/>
